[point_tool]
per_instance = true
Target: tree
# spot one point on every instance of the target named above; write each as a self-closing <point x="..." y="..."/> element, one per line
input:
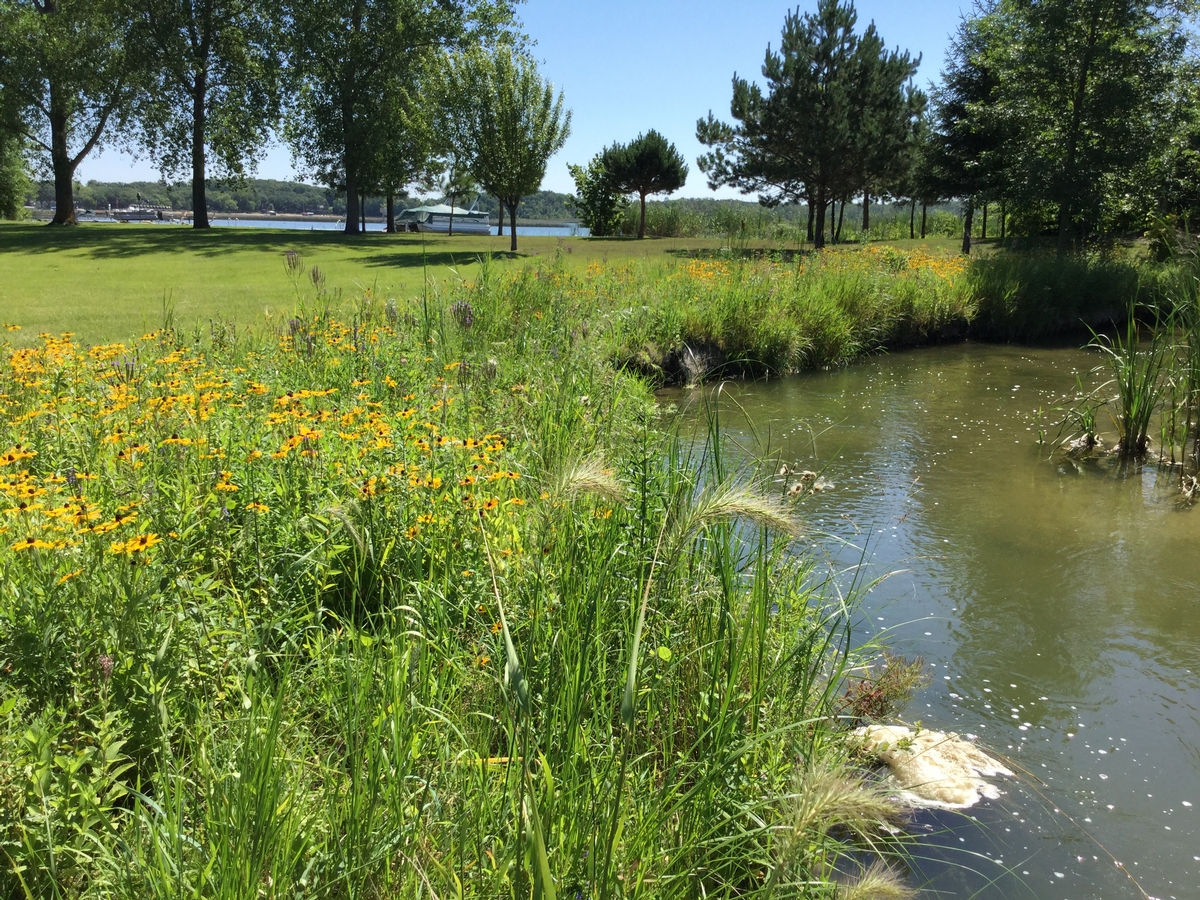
<point x="810" y="137"/>
<point x="1080" y="93"/>
<point x="64" y="80"/>
<point x="349" y="55"/>
<point x="403" y="139"/>
<point x="14" y="179"/>
<point x="649" y="164"/>
<point x="213" y="68"/>
<point x="597" y="201"/>
<point x="510" y="124"/>
<point x="968" y="153"/>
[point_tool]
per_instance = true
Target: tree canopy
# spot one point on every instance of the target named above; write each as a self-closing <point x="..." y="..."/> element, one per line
<point x="836" y="104"/>
<point x="509" y="123"/>
<point x="213" y="71"/>
<point x="649" y="164"/>
<point x="64" y="81"/>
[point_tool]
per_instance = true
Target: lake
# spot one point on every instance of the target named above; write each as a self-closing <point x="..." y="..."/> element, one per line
<point x="1057" y="605"/>
<point x="565" y="230"/>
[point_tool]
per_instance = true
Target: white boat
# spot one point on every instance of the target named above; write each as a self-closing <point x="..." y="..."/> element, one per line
<point x="441" y="219"/>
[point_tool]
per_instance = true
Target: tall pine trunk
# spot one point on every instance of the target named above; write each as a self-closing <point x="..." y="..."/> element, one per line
<point x="810" y="202"/>
<point x="199" y="125"/>
<point x="983" y="234"/>
<point x="512" y="217"/>
<point x="391" y="212"/>
<point x="912" y="219"/>
<point x="924" y="217"/>
<point x="837" y="237"/>
<point x="642" y="220"/>
<point x="500" y="227"/>
<point x="362" y="210"/>
<point x="866" y="211"/>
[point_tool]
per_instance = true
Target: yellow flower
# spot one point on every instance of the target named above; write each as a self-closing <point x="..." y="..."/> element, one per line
<point x="31" y="543"/>
<point x="496" y="627"/>
<point x="70" y="575"/>
<point x="482" y="661"/>
<point x="490" y="504"/>
<point x="139" y="544"/>
<point x="258" y="508"/>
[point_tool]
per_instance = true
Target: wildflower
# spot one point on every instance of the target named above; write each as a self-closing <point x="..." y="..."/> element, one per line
<point x="490" y="504"/>
<point x="31" y="543"/>
<point x="467" y="573"/>
<point x="412" y="532"/>
<point x="70" y="575"/>
<point x="139" y="544"/>
<point x="496" y="627"/>
<point x="516" y="501"/>
<point x="258" y="508"/>
<point x="483" y="660"/>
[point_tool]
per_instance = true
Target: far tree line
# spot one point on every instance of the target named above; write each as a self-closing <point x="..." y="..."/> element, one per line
<point x="1072" y="118"/>
<point x="1075" y="118"/>
<point x="373" y="96"/>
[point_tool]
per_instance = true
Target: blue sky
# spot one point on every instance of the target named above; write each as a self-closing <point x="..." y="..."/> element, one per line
<point x="626" y="66"/>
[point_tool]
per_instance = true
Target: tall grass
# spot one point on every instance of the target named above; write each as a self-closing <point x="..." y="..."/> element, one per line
<point x="408" y="599"/>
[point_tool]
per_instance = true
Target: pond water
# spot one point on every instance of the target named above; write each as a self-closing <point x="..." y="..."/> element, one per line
<point x="1058" y="608"/>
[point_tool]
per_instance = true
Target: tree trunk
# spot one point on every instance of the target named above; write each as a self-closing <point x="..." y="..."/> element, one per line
<point x="362" y="210"/>
<point x="351" y="199"/>
<point x="983" y="234"/>
<point x="912" y="219"/>
<point x="512" y="224"/>
<point x="810" y="201"/>
<point x="450" y="228"/>
<point x="837" y="238"/>
<point x="642" y="220"/>
<point x="391" y="212"/>
<point x="968" y="224"/>
<point x="199" y="175"/>
<point x="866" y="211"/>
<point x="500" y="227"/>
<point x="817" y="234"/>
<point x="924" y="217"/>
<point x="60" y="158"/>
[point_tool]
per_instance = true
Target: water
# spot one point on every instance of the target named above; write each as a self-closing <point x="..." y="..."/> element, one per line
<point x="1058" y="608"/>
<point x="569" y="229"/>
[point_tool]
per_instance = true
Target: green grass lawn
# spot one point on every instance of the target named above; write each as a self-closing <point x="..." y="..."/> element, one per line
<point x="105" y="282"/>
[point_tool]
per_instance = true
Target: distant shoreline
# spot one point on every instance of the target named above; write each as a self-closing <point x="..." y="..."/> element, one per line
<point x="44" y="215"/>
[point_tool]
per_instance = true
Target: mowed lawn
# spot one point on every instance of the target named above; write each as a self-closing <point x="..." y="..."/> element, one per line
<point x="104" y="282"/>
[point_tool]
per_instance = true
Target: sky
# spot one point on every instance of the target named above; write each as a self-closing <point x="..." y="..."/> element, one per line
<point x="626" y="66"/>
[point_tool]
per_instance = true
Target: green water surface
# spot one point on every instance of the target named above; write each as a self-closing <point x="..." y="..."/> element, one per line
<point x="1058" y="607"/>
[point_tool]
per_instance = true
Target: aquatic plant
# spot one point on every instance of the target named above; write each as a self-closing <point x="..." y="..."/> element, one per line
<point x="1138" y="378"/>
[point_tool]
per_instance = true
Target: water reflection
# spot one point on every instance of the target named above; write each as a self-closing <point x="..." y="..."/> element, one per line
<point x="1058" y="607"/>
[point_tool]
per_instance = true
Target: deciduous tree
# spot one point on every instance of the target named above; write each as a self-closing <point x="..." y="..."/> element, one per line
<point x="511" y="123"/>
<point x="345" y="56"/>
<point x="64" y="81"/>
<point x="597" y="201"/>
<point x="213" y="72"/>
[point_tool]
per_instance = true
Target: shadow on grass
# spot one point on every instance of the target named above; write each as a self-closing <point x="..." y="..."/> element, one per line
<point x="130" y="242"/>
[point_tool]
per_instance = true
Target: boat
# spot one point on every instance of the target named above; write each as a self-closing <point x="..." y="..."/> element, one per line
<point x="440" y="219"/>
<point x="141" y="213"/>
